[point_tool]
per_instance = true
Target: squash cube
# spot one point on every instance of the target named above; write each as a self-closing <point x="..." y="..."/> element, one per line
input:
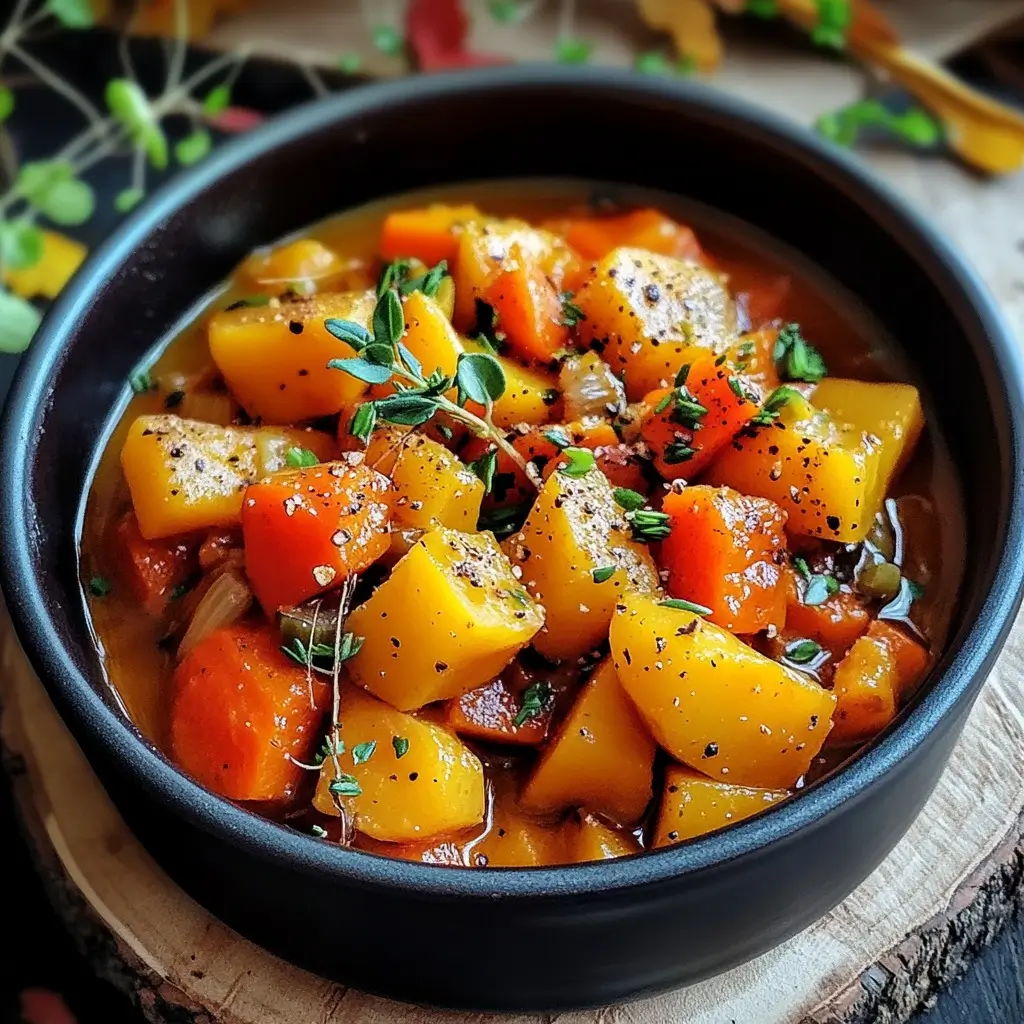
<point x="713" y="702"/>
<point x="574" y="531"/>
<point x="449" y="617"/>
<point x="601" y="757"/>
<point x="591" y="839"/>
<point x="426" y="786"/>
<point x="694" y="805"/>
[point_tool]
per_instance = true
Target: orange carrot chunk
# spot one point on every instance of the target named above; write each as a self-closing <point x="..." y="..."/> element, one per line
<point x="594" y="237"/>
<point x="306" y="531"/>
<point x="714" y="400"/>
<point x="835" y="623"/>
<point x="529" y="308"/>
<point x="724" y="552"/>
<point x="151" y="569"/>
<point x="241" y="710"/>
<point x="427" y="234"/>
<point x="865" y="684"/>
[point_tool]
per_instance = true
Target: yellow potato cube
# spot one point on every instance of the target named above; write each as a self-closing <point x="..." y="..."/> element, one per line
<point x="449" y="618"/>
<point x="433" y="487"/>
<point x="694" y="805"/>
<point x="429" y="335"/>
<point x="574" y="530"/>
<point x="600" y="759"/>
<point x="274" y="358"/>
<point x="648" y="313"/>
<point x="591" y="839"/>
<point x="416" y="779"/>
<point x="827" y="477"/>
<point x="529" y="393"/>
<point x="713" y="702"/>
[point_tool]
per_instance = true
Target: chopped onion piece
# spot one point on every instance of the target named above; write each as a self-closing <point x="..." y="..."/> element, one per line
<point x="589" y="388"/>
<point x="227" y="600"/>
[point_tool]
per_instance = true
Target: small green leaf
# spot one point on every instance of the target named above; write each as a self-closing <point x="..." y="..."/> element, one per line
<point x="401" y="745"/>
<point x="558" y="437"/>
<point x="345" y="785"/>
<point x="131" y="107"/>
<point x="816" y="592"/>
<point x="406" y="410"/>
<point x="127" y="199"/>
<point x="570" y="50"/>
<point x="21" y="244"/>
<point x="382" y="355"/>
<point x="300" y="458"/>
<point x="392" y="275"/>
<point x="506" y="11"/>
<point x="191" y="149"/>
<point x="412" y="364"/>
<point x="72" y="13"/>
<point x="916" y="126"/>
<point x="774" y="404"/>
<point x="6" y="103"/>
<point x="217" y="100"/>
<point x="603" y="574"/>
<point x="349" y="332"/>
<point x="652" y="62"/>
<point x="484" y="468"/>
<point x="100" y="586"/>
<point x="350" y="63"/>
<point x="388" y="319"/>
<point x="362" y="752"/>
<point x="534" y="700"/>
<point x="629" y="500"/>
<point x="318" y="831"/>
<point x="141" y="382"/>
<point x="362" y="370"/>
<point x="684" y="606"/>
<point x="762" y="8"/>
<point x="19" y="320"/>
<point x="428" y="282"/>
<point x="70" y="202"/>
<point x="363" y="422"/>
<point x="480" y="377"/>
<point x="580" y="462"/>
<point x="649" y="526"/>
<point x="801" y="652"/>
<point x="795" y="358"/>
<point x="572" y="315"/>
<point x="387" y="39"/>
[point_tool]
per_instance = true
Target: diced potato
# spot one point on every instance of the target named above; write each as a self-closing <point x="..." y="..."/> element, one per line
<point x="573" y="530"/>
<point x="888" y="415"/>
<point x="601" y="758"/>
<point x="715" y="703"/>
<point x="436" y="786"/>
<point x="694" y="805"/>
<point x="449" y="617"/>
<point x="825" y="477"/>
<point x="274" y="443"/>
<point x="485" y="247"/>
<point x="591" y="839"/>
<point x="432" y="486"/>
<point x="274" y="358"/>
<point x="185" y="475"/>
<point x="649" y="313"/>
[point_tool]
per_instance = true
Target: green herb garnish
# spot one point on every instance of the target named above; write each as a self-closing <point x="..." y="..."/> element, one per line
<point x="629" y="500"/>
<point x="300" y="458"/>
<point x="534" y="701"/>
<point x="801" y="652"/>
<point x="795" y="358"/>
<point x="141" y="382"/>
<point x="484" y="468"/>
<point x="581" y="462"/>
<point x="603" y="574"/>
<point x="676" y="452"/>
<point x="401" y="745"/>
<point x="774" y="404"/>
<point x="100" y="586"/>
<point x="684" y="606"/>
<point x="318" y="831"/>
<point x="571" y="313"/>
<point x="558" y="437"/>
<point x="345" y="785"/>
<point x="649" y="526"/>
<point x="362" y="752"/>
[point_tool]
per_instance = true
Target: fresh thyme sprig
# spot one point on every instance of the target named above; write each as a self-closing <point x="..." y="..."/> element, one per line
<point x="381" y="357"/>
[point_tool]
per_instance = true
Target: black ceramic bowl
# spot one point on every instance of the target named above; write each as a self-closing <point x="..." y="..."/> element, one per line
<point x="502" y="939"/>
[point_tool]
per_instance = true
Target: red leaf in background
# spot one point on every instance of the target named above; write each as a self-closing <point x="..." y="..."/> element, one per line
<point x="437" y="32"/>
<point x="236" y="119"/>
<point x="39" y="1006"/>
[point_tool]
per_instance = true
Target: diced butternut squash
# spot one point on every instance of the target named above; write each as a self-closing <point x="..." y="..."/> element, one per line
<point x="516" y="839"/>
<point x="889" y="416"/>
<point x="594" y="237"/>
<point x="274" y="358"/>
<point x="578" y="560"/>
<point x="530" y="394"/>
<point x="415" y="779"/>
<point x="429" y="335"/>
<point x="835" y="623"/>
<point x="752" y="356"/>
<point x="274" y="443"/>
<point x="651" y="314"/>
<point x="824" y="476"/>
<point x="693" y="805"/>
<point x="910" y="657"/>
<point x="601" y="758"/>
<point x="591" y="839"/>
<point x="185" y="475"/>
<point x="150" y="569"/>
<point x="687" y="426"/>
<point x="725" y="552"/>
<point x="429" y="234"/>
<point x="307" y="530"/>
<point x="713" y="702"/>
<point x="865" y="683"/>
<point x="241" y="711"/>
<point x="304" y="262"/>
<point x="486" y="249"/>
<point x="450" y="617"/>
<point x="528" y="308"/>
<point x="432" y="486"/>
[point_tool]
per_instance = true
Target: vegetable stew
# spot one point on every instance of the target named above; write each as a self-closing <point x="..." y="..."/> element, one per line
<point x="515" y="525"/>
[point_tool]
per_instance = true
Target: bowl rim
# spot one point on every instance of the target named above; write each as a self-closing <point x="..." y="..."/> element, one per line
<point x="959" y="672"/>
